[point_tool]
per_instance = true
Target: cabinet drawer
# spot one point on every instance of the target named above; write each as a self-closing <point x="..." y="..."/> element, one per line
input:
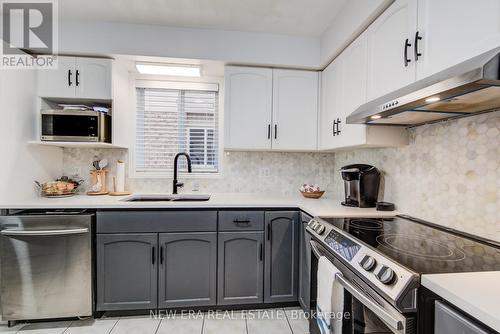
<point x="156" y="221"/>
<point x="241" y="220"/>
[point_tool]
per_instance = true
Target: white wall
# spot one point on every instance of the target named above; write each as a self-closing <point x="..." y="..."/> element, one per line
<point x="349" y="23"/>
<point x="251" y="48"/>
<point x="21" y="164"/>
<point x="155" y="40"/>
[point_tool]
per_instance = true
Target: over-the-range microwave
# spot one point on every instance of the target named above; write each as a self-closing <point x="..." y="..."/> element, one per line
<point x="75" y="126"/>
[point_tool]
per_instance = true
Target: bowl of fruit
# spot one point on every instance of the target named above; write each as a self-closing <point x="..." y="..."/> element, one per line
<point x="63" y="187"/>
<point x="311" y="191"/>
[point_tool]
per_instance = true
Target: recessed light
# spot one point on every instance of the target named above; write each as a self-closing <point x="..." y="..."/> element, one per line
<point x="168" y="69"/>
<point x="432" y="99"/>
<point x="376" y="117"/>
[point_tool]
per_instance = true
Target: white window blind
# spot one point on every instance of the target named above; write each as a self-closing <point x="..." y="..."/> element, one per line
<point x="176" y="120"/>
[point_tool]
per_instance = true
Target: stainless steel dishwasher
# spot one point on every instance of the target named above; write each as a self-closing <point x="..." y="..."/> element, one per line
<point x="46" y="264"/>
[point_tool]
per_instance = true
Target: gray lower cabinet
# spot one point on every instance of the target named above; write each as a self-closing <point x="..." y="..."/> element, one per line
<point x="178" y="265"/>
<point x="187" y="270"/>
<point x="240" y="268"/>
<point x="281" y="256"/>
<point x="305" y="265"/>
<point x="127" y="271"/>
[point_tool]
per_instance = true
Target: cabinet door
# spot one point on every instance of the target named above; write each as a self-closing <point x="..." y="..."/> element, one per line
<point x="305" y="265"/>
<point x="353" y="61"/>
<point x="453" y="31"/>
<point x="295" y="110"/>
<point x="240" y="269"/>
<point x="188" y="263"/>
<point x="93" y="78"/>
<point x="58" y="82"/>
<point x="331" y="105"/>
<point x="126" y="271"/>
<point x="248" y="108"/>
<point x="281" y="256"/>
<point x="386" y="48"/>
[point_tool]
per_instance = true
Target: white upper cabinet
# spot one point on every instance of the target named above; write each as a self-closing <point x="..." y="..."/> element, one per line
<point x="93" y="78"/>
<point x="353" y="61"/>
<point x="343" y="91"/>
<point x="390" y="52"/>
<point x="414" y="39"/>
<point x="295" y="110"/>
<point x="453" y="31"/>
<point x="270" y="109"/>
<point x="331" y="106"/>
<point x="248" y="108"/>
<point x="58" y="82"/>
<point x="76" y="77"/>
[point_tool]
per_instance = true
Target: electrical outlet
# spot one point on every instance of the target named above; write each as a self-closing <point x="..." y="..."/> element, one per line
<point x="76" y="171"/>
<point x="264" y="172"/>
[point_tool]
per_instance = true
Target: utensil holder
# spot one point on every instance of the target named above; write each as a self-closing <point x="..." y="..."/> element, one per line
<point x="95" y="176"/>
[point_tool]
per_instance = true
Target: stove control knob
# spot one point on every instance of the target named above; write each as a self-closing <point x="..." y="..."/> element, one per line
<point x="320" y="229"/>
<point x="368" y="263"/>
<point x="386" y="275"/>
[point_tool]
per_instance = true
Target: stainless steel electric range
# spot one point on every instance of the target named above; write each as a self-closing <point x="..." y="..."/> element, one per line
<point x="380" y="262"/>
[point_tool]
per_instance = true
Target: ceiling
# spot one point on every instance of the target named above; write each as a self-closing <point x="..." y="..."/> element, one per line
<point x="294" y="17"/>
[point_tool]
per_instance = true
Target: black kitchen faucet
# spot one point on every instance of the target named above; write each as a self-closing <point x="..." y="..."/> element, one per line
<point x="175" y="183"/>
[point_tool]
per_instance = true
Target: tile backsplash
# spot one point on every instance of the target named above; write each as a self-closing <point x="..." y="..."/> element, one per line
<point x="249" y="172"/>
<point x="449" y="174"/>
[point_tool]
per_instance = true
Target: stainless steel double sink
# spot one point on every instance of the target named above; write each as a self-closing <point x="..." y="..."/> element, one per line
<point x="167" y="198"/>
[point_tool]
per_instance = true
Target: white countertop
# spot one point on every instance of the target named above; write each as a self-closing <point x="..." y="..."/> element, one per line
<point x="315" y="207"/>
<point x="477" y="294"/>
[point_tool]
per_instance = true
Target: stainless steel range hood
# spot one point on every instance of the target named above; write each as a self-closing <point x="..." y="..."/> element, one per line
<point x="465" y="89"/>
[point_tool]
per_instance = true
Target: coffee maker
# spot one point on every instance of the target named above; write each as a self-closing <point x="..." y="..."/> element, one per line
<point x="361" y="185"/>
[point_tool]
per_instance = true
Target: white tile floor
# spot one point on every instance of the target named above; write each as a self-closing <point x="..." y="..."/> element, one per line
<point x="270" y="321"/>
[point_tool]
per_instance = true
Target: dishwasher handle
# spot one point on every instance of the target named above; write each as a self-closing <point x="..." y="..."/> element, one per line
<point x="12" y="232"/>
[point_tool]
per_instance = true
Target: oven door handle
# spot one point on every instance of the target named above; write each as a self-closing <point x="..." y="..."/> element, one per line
<point x="375" y="308"/>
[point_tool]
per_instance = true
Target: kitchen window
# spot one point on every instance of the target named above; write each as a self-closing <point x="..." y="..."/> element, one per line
<point x="176" y="117"/>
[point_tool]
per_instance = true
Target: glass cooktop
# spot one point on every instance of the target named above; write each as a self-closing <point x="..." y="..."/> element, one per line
<point x="424" y="249"/>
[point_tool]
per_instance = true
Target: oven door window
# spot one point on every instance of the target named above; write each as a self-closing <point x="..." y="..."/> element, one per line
<point x="363" y="320"/>
<point x="354" y="318"/>
<point x="70" y="125"/>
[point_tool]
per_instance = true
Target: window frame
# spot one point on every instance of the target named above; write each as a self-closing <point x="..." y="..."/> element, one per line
<point x="155" y="82"/>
